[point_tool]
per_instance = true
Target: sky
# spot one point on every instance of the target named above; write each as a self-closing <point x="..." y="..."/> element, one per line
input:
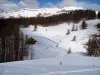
<point x="18" y="4"/>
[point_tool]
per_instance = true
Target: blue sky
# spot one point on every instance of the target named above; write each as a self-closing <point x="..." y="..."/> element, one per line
<point x="43" y="2"/>
<point x="17" y="4"/>
<point x="91" y="1"/>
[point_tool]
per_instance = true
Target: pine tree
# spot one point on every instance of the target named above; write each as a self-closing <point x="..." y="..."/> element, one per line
<point x="84" y="25"/>
<point x="99" y="15"/>
<point x="68" y="32"/>
<point x="76" y="28"/>
<point x="69" y="51"/>
<point x="74" y="38"/>
<point x="98" y="26"/>
<point x="73" y="27"/>
<point x="35" y="28"/>
<point x="93" y="46"/>
<point x="26" y="37"/>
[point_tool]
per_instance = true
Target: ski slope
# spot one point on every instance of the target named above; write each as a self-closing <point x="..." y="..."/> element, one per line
<point x="51" y="57"/>
<point x="53" y="60"/>
<point x="52" y="41"/>
<point x="72" y="64"/>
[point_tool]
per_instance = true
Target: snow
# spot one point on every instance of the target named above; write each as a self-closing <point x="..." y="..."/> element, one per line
<point x="26" y="12"/>
<point x="51" y="57"/>
<point x="53" y="60"/>
<point x="57" y="34"/>
<point x="72" y="64"/>
<point x="52" y="41"/>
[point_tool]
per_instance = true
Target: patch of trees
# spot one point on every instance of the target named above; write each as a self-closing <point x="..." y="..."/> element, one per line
<point x="98" y="26"/>
<point x="12" y="43"/>
<point x="30" y="41"/>
<point x="93" y="46"/>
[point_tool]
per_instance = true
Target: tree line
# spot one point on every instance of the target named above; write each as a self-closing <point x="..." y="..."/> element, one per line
<point x="69" y="16"/>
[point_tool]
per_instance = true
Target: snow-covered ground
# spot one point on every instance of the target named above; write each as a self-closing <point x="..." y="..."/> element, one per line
<point x="52" y="41"/>
<point x="51" y="56"/>
<point x="72" y="64"/>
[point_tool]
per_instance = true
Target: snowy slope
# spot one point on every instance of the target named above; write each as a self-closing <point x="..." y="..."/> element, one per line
<point x="37" y="12"/>
<point x="48" y="56"/>
<point x="52" y="46"/>
<point x="72" y="64"/>
<point x="54" y="42"/>
<point x="44" y="48"/>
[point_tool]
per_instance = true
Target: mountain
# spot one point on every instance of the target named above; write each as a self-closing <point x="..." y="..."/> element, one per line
<point x="26" y="12"/>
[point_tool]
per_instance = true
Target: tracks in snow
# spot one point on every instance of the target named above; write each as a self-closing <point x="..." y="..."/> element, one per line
<point x="51" y="41"/>
<point x="69" y="72"/>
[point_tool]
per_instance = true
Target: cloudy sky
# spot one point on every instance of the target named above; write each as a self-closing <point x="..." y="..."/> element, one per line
<point x="17" y="4"/>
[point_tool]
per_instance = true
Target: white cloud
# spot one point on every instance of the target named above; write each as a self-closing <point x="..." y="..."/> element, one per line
<point x="7" y="6"/>
<point x="49" y="5"/>
<point x="65" y="3"/>
<point x="31" y="3"/>
<point x="91" y="6"/>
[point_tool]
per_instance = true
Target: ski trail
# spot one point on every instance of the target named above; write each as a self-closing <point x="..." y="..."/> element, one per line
<point x="50" y="41"/>
<point x="68" y="72"/>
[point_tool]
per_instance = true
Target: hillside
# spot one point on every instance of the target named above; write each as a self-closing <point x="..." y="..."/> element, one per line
<point x="53" y="43"/>
<point x="71" y="65"/>
<point x="49" y="37"/>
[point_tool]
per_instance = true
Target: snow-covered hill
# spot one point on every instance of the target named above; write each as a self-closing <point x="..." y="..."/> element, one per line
<point x="52" y="41"/>
<point x="26" y="12"/>
<point x="51" y="57"/>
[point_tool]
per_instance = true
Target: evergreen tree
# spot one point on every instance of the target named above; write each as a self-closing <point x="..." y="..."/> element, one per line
<point x="98" y="26"/>
<point x="26" y="37"/>
<point x="76" y="28"/>
<point x="74" y="38"/>
<point x="99" y="14"/>
<point x="68" y="32"/>
<point x="35" y="28"/>
<point x="69" y="51"/>
<point x="84" y="25"/>
<point x="73" y="27"/>
<point x="93" y="46"/>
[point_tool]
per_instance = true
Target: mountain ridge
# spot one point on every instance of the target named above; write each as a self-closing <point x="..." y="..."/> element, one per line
<point x="45" y="12"/>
